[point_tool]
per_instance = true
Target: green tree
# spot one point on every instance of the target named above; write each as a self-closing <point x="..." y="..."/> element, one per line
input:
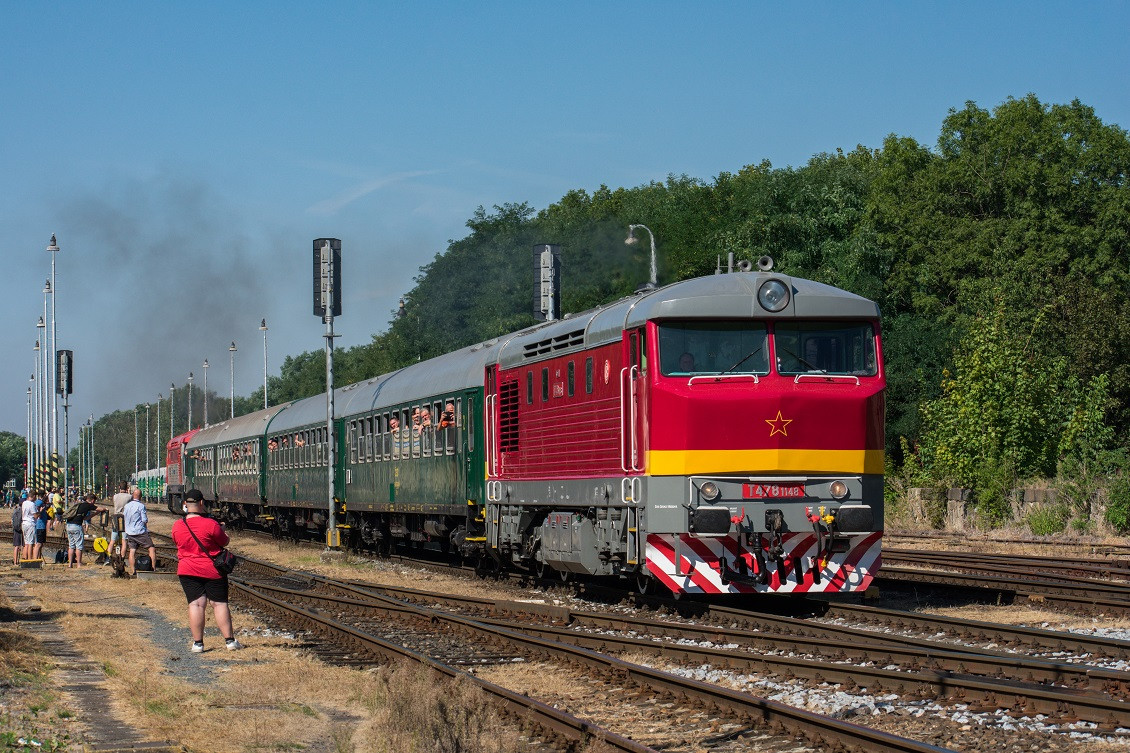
<point x="13" y="454"/>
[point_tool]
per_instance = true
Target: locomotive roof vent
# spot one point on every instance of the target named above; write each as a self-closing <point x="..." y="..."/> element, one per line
<point x="576" y="338"/>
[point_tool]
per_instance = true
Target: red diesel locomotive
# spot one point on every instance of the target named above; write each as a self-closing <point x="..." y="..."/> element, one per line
<point x="717" y="435"/>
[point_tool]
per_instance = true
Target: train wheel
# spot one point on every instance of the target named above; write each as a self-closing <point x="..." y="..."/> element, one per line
<point x="486" y="567"/>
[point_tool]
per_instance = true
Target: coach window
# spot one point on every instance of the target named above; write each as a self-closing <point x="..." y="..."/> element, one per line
<point x="457" y="418"/>
<point x="374" y="424"/>
<point x="405" y="433"/>
<point x="386" y="438"/>
<point x="426" y="431"/>
<point x="588" y="375"/>
<point x="572" y="369"/>
<point x="545" y="384"/>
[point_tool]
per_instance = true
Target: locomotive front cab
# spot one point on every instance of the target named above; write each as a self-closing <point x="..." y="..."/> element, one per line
<point x="765" y="449"/>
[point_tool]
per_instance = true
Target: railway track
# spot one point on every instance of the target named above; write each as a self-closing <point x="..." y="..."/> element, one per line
<point x="312" y="597"/>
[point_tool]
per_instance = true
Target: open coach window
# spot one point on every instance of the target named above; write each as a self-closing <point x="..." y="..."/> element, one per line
<point x="704" y="347"/>
<point x="825" y="348"/>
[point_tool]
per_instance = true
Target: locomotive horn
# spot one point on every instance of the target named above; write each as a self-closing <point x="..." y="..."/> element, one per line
<point x="745" y="265"/>
<point x="765" y="263"/>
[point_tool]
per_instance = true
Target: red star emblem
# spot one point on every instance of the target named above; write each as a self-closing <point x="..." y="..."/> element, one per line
<point x="778" y="425"/>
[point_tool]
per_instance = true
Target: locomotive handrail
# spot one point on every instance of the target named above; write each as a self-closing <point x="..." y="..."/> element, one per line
<point x="623" y="455"/>
<point x="629" y="464"/>
<point x="720" y="377"/>
<point x="827" y="377"/>
<point x="491" y="435"/>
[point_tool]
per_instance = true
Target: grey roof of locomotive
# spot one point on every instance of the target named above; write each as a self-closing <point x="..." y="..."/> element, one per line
<point x="728" y="296"/>
<point x="725" y="296"/>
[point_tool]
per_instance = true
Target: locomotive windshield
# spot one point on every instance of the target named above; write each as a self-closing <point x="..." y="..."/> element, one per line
<point x="703" y="347"/>
<point x="825" y="348"/>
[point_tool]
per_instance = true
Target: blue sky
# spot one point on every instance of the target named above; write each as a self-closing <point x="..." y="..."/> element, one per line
<point x="186" y="154"/>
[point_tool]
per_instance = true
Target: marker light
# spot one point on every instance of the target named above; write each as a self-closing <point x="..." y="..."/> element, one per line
<point x="838" y="489"/>
<point x="709" y="490"/>
<point x="773" y="295"/>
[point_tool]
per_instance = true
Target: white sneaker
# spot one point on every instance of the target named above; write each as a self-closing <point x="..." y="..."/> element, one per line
<point x="234" y="645"/>
<point x="198" y="648"/>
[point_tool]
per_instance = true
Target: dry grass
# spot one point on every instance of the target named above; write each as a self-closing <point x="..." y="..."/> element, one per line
<point x="269" y="697"/>
<point x="30" y="709"/>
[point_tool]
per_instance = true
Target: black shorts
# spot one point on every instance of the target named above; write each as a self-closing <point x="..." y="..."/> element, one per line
<point x="40" y="535"/>
<point x="216" y="589"/>
<point x="17" y="537"/>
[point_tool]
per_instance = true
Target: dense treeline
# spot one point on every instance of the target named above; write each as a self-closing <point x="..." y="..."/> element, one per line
<point x="998" y="257"/>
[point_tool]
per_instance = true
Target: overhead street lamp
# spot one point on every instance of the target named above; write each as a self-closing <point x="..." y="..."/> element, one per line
<point x="147" y="465"/>
<point x="39" y="401"/>
<point x="53" y="248"/>
<point x="232" y="350"/>
<point x="263" y="329"/>
<point x="172" y="411"/>
<point x="49" y="366"/>
<point x="189" y="401"/>
<point x="631" y="241"/>
<point x="136" y="468"/>
<point x="205" y="393"/>
<point x="27" y="447"/>
<point x="157" y="429"/>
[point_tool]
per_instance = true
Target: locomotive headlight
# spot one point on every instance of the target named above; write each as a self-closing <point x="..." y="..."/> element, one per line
<point x="838" y="489"/>
<point x="709" y="491"/>
<point x="773" y="295"/>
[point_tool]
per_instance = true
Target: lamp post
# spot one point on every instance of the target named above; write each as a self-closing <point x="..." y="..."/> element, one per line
<point x="91" y="458"/>
<point x="205" y="393"/>
<point x="189" y="401"/>
<point x="49" y="369"/>
<point x="53" y="248"/>
<point x="81" y="453"/>
<point x="157" y="429"/>
<point x="231" y="351"/>
<point x="631" y="241"/>
<point x="38" y="407"/>
<point x="172" y="411"/>
<point x="136" y="468"/>
<point x="263" y="329"/>
<point x="27" y="447"/>
<point x="147" y="466"/>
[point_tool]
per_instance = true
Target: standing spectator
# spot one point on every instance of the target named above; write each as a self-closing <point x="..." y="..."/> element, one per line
<point x="137" y="531"/>
<point x="17" y="533"/>
<point x="56" y="502"/>
<point x="117" y="520"/>
<point x="27" y="508"/>
<point x="40" y="526"/>
<point x="198" y="576"/>
<point x="76" y="528"/>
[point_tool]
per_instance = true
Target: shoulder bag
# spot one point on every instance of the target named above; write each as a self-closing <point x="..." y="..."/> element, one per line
<point x="225" y="561"/>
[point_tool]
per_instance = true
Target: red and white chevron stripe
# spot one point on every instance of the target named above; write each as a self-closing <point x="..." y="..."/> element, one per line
<point x="700" y="572"/>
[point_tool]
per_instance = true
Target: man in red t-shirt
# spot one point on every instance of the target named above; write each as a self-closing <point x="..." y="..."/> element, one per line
<point x="198" y="576"/>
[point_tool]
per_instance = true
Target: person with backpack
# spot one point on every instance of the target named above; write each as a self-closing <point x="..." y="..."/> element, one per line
<point x="77" y="516"/>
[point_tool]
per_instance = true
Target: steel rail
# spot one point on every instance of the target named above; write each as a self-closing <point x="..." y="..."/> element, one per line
<point x="834" y="642"/>
<point x="546" y="717"/>
<point x="814" y="727"/>
<point x="999" y="692"/>
<point x="1035" y="591"/>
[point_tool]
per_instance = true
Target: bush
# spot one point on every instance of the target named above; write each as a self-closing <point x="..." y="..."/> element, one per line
<point x="1118" y="507"/>
<point x="1044" y="521"/>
